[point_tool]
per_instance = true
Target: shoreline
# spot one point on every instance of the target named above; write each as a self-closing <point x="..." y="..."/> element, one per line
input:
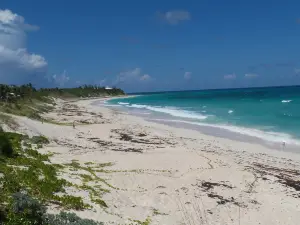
<point x="166" y="175"/>
<point x="218" y="131"/>
<point x="225" y="136"/>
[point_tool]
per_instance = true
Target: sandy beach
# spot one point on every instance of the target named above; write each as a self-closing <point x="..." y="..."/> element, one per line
<point x="167" y="175"/>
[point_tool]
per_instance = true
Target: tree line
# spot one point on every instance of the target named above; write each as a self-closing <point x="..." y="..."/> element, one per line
<point x="10" y="93"/>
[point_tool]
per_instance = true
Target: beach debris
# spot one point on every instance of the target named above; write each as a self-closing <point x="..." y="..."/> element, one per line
<point x="210" y="185"/>
<point x="287" y="177"/>
<point x="221" y="199"/>
<point x="137" y="150"/>
<point x="137" y="138"/>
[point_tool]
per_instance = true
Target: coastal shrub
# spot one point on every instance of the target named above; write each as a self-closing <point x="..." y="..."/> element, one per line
<point x="69" y="219"/>
<point x="29" y="170"/>
<point x="6" y="148"/>
<point x="37" y="155"/>
<point x="14" y="139"/>
<point x="24" y="210"/>
<point x="71" y="202"/>
<point x="39" y="140"/>
<point x="100" y="202"/>
<point x="2" y="213"/>
<point x="33" y="115"/>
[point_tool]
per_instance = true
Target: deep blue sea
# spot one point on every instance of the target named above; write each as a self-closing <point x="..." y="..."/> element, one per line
<point x="271" y="113"/>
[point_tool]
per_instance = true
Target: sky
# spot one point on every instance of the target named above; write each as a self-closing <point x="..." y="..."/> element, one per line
<point x="143" y="46"/>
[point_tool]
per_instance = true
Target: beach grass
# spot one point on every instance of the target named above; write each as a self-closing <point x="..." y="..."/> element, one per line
<point x="26" y="169"/>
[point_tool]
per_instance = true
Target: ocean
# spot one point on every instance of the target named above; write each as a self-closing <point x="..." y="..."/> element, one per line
<point x="271" y="114"/>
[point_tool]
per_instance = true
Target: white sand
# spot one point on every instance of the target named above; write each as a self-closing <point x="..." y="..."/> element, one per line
<point x="168" y="179"/>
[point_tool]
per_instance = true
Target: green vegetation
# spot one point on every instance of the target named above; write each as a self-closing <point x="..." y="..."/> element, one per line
<point x="24" y="170"/>
<point x="24" y="210"/>
<point x="84" y="91"/>
<point x="91" y="182"/>
<point x="5" y="146"/>
<point x="27" y="169"/>
<point x="39" y="140"/>
<point x="25" y="100"/>
<point x="146" y="222"/>
<point x="13" y="93"/>
<point x="156" y="213"/>
<point x="8" y="121"/>
<point x="69" y="218"/>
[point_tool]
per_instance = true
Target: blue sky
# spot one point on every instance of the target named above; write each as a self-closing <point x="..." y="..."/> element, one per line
<point x="150" y="45"/>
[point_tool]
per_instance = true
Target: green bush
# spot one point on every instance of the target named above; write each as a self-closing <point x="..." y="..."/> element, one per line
<point x="69" y="219"/>
<point x="25" y="210"/>
<point x="39" y="140"/>
<point x="5" y="145"/>
<point x="2" y="213"/>
<point x="72" y="202"/>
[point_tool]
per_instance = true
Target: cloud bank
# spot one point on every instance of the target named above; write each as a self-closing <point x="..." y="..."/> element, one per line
<point x="15" y="60"/>
<point x="131" y="76"/>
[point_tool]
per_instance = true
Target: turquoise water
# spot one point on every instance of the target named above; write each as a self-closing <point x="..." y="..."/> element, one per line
<point x="269" y="113"/>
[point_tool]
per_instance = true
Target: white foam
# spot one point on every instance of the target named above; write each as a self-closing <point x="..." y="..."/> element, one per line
<point x="138" y="106"/>
<point x="286" y="101"/>
<point x="123" y="103"/>
<point x="112" y="105"/>
<point x="143" y="113"/>
<point x="267" y="136"/>
<point x="230" y="111"/>
<point x="171" y="111"/>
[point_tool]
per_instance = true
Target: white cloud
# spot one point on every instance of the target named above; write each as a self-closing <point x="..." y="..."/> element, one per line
<point x="251" y="75"/>
<point x="145" y="77"/>
<point x="8" y="18"/>
<point x="175" y="16"/>
<point x="21" y="58"/>
<point x="128" y="75"/>
<point x="230" y="76"/>
<point x="132" y="76"/>
<point x="187" y="75"/>
<point x="61" y="79"/>
<point x="14" y="57"/>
